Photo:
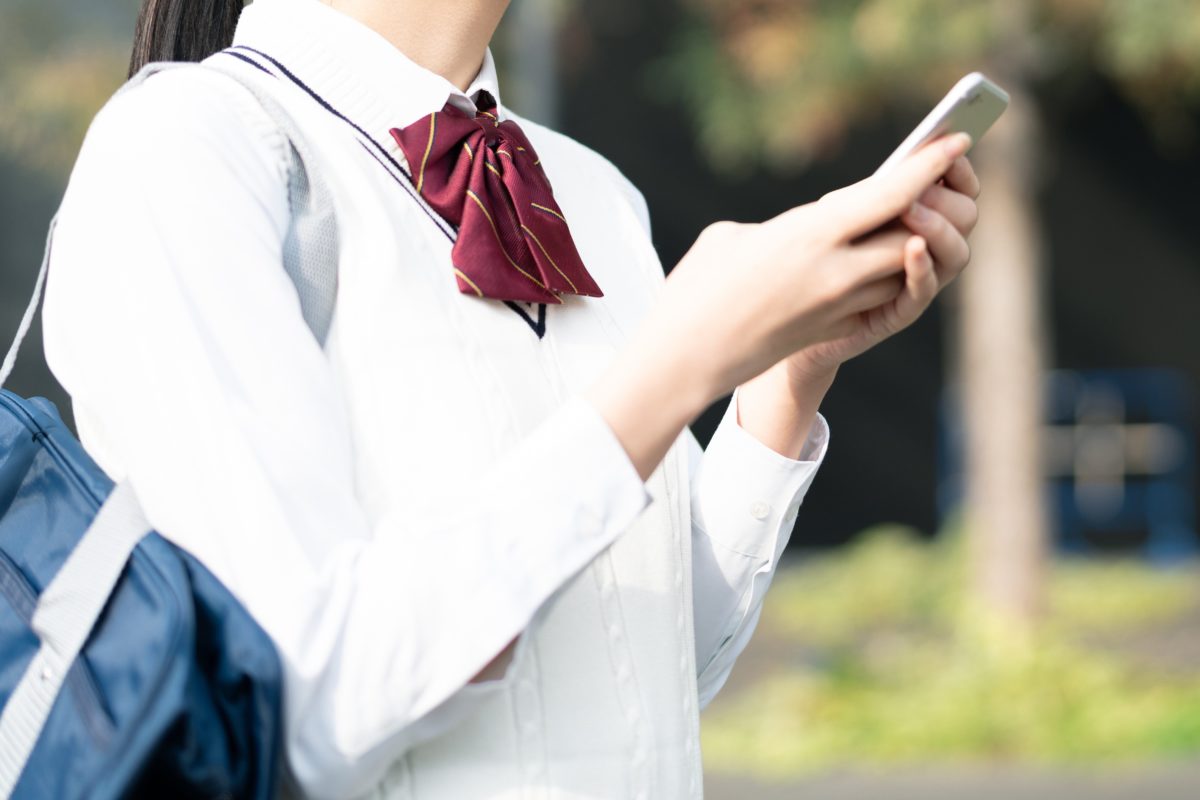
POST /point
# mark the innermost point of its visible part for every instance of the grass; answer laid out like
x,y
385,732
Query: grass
x,y
888,666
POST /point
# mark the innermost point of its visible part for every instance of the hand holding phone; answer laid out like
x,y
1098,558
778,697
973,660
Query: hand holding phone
x,y
971,107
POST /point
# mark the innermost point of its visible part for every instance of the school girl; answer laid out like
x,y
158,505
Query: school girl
x,y
494,561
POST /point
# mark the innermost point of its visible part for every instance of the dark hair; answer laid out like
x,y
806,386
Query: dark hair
x,y
182,30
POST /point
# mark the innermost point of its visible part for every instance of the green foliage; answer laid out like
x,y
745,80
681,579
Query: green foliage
x,y
47,104
780,80
55,73
891,667
833,601
1111,597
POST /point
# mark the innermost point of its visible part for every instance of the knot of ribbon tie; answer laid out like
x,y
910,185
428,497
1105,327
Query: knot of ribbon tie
x,y
482,175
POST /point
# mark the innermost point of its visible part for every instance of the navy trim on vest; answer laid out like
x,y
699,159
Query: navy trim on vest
x,y
539,327
442,224
249,61
451,233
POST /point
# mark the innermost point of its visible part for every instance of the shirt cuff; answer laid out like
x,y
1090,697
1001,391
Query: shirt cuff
x,y
746,492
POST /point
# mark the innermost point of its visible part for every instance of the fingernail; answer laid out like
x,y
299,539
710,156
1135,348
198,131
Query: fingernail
x,y
918,212
958,144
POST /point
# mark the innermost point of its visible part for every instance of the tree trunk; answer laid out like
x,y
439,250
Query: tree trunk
x,y
1000,350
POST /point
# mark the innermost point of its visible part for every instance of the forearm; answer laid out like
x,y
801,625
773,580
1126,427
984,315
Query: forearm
x,y
777,407
651,391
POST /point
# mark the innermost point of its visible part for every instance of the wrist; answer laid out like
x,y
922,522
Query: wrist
x,y
808,376
780,406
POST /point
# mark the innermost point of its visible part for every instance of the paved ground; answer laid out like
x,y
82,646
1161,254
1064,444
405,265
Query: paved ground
x,y
1168,782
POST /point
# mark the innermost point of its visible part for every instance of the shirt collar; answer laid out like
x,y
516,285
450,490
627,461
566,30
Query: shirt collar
x,y
355,70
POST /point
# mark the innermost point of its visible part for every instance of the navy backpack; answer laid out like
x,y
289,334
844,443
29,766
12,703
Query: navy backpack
x,y
126,668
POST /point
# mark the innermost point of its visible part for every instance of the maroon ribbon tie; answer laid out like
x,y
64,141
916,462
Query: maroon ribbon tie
x,y
483,176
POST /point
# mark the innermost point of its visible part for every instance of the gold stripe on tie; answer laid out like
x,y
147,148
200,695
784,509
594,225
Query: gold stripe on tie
x,y
533,235
493,169
470,152
541,207
468,281
471,194
428,148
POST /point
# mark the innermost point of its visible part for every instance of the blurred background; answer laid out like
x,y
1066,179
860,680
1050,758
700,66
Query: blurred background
x,y
993,586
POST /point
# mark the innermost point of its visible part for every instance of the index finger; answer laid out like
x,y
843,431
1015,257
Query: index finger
x,y
874,201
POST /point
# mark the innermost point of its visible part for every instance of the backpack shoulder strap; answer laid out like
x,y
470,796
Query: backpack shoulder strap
x,y
66,612
311,245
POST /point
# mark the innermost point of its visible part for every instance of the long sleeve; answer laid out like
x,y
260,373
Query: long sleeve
x,y
745,498
172,325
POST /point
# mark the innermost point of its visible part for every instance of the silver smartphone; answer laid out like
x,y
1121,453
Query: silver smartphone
x,y
970,107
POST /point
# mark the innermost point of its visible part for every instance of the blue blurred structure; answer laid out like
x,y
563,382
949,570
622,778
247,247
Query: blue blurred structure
x,y
1119,460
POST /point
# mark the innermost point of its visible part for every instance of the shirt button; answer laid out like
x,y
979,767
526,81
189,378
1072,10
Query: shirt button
x,y
760,510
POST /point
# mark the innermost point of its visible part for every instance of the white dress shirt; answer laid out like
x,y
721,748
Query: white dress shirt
x,y
396,507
